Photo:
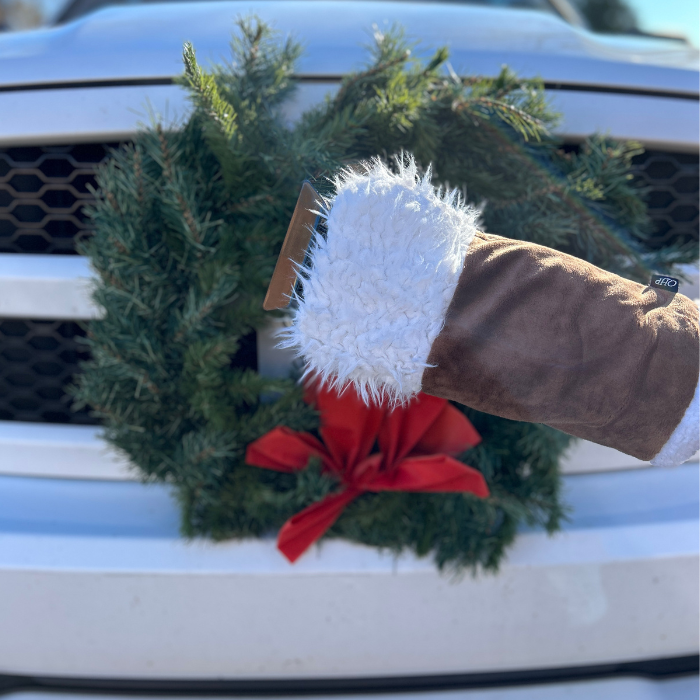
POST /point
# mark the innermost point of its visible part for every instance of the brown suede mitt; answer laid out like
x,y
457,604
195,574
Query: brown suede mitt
x,y
405,294
536,335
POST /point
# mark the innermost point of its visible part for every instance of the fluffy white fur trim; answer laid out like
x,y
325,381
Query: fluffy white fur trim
x,y
378,286
685,439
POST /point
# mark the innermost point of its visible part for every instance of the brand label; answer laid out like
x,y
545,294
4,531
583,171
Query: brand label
x,y
670,284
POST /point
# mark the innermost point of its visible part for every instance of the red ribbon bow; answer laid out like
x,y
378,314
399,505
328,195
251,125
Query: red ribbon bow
x,y
415,444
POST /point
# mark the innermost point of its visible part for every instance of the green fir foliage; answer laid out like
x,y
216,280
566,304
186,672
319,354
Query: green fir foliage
x,y
188,224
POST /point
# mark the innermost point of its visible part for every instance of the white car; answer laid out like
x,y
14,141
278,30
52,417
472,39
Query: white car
x,y
99,593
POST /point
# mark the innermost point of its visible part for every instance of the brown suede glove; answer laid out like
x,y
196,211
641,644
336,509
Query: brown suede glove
x,y
536,335
406,295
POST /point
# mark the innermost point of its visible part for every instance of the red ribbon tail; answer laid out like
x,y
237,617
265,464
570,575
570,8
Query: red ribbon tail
x,y
310,524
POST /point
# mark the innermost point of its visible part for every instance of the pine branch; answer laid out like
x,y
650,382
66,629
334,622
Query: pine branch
x,y
204,93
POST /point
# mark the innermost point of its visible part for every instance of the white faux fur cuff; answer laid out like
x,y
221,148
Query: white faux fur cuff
x,y
685,439
378,286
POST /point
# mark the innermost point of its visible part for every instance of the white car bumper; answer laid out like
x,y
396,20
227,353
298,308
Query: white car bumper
x,y
97,583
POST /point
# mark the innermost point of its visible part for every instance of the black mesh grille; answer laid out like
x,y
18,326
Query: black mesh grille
x,y
37,361
42,194
672,179
43,190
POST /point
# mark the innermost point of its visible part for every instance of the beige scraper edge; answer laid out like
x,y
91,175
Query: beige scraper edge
x,y
293,251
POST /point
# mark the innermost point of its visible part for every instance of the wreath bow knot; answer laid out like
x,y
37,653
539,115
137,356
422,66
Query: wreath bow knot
x,y
416,447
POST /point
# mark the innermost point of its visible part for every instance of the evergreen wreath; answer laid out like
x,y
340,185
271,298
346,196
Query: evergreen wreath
x,y
188,224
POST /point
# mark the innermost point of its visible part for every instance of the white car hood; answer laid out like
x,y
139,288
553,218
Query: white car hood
x,y
140,42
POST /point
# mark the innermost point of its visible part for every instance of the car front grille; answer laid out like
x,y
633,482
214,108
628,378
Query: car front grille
x,y
43,192
44,189
672,181
37,361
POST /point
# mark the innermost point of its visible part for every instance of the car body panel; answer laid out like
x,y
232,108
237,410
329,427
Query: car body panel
x,y
145,41
117,593
79,452
115,113
46,286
